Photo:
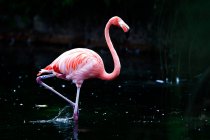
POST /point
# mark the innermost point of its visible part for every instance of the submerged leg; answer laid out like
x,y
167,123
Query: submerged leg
x,y
39,80
76,107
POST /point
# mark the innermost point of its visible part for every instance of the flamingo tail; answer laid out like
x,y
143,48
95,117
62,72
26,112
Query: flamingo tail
x,y
47,69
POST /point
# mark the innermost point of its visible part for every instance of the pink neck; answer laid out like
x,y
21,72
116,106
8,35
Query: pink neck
x,y
117,66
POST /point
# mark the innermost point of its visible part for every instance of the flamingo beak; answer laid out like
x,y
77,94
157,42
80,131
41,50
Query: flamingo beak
x,y
124,26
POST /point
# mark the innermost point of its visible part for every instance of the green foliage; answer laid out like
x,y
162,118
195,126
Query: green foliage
x,y
107,2
176,128
186,36
25,7
67,2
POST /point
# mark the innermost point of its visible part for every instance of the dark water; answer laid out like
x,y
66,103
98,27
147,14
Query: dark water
x,y
138,105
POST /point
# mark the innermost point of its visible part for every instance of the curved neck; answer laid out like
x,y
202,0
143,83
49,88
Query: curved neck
x,y
117,66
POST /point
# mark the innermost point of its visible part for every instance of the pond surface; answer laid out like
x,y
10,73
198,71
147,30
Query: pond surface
x,y
138,105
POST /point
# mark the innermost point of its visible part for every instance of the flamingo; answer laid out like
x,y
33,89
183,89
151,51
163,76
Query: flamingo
x,y
80,64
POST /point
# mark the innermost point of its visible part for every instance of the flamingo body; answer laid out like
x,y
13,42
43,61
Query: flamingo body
x,y
76,65
81,63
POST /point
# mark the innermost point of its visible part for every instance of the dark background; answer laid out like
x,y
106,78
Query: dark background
x,y
162,91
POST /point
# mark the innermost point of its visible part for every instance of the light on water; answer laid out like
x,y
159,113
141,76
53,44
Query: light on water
x,y
63,86
41,106
160,81
61,117
177,80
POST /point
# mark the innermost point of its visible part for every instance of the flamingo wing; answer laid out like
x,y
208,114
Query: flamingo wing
x,y
81,64
76,64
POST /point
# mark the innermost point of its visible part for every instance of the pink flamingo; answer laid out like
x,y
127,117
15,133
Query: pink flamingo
x,y
81,63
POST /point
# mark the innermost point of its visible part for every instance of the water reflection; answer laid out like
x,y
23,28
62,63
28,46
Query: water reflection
x,y
64,124
67,128
75,130
139,104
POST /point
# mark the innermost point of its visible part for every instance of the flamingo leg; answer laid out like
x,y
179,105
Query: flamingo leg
x,y
76,107
39,81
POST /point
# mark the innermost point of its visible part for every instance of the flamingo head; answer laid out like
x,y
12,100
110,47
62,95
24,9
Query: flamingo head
x,y
119,22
